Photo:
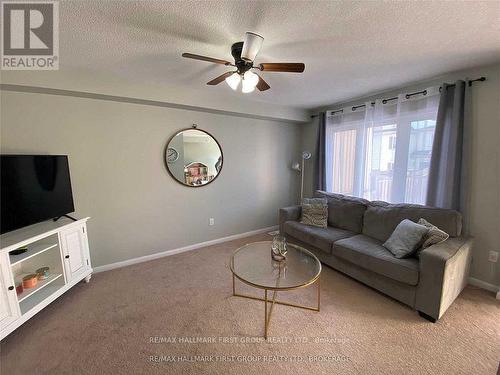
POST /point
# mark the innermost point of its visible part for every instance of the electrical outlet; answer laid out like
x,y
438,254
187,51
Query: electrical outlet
x,y
211,221
493,256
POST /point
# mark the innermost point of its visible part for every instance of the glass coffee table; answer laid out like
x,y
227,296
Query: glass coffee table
x,y
253,265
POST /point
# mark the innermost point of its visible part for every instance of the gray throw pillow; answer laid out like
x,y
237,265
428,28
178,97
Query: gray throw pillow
x,y
406,238
434,235
315,212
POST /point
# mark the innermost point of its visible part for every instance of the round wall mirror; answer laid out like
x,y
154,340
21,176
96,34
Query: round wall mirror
x,y
193,157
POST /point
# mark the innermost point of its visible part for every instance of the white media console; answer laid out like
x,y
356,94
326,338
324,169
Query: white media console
x,y
62,246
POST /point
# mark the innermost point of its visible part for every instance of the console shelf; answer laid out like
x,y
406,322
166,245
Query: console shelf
x,y
40,299
41,284
36,249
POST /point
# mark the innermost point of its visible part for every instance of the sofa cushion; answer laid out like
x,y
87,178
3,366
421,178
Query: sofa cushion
x,y
406,239
345,212
368,253
321,238
380,218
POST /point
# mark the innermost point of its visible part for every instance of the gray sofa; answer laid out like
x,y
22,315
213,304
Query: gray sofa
x,y
352,244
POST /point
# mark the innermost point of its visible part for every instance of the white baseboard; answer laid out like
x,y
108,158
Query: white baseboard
x,y
484,285
179,250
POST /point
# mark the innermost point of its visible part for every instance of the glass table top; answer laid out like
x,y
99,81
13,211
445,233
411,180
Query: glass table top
x,y
253,264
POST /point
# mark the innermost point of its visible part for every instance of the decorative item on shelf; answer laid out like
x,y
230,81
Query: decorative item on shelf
x,y
19,287
30,281
278,248
18,251
43,273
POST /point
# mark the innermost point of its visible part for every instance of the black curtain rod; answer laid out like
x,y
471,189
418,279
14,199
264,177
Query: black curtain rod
x,y
408,96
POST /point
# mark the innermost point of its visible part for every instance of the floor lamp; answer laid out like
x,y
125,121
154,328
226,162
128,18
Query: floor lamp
x,y
305,155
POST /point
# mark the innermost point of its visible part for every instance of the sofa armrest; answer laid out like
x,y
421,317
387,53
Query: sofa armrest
x,y
444,271
291,213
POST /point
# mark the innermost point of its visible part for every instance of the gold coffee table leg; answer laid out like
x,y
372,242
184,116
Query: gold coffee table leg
x,y
319,290
267,315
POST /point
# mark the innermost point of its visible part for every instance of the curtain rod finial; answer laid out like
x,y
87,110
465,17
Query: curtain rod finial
x,y
480,79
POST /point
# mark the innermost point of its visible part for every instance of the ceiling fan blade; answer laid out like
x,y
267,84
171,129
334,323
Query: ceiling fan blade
x,y
262,85
219,79
205,58
282,67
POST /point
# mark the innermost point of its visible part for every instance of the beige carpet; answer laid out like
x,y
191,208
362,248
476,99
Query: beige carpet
x,y
105,327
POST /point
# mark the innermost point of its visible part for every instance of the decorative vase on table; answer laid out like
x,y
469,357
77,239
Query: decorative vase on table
x,y
278,248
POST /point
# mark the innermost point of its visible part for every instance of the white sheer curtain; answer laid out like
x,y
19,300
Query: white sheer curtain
x,y
382,151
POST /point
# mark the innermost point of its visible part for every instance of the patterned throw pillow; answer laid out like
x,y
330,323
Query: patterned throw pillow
x,y
315,212
433,236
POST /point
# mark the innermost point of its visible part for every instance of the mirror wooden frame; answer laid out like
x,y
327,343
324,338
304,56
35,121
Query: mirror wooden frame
x,y
194,127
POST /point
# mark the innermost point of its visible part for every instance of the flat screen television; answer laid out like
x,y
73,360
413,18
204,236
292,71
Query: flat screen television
x,y
34,188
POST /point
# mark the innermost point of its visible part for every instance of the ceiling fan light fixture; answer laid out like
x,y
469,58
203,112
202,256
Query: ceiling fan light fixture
x,y
251,46
249,82
233,80
247,88
244,54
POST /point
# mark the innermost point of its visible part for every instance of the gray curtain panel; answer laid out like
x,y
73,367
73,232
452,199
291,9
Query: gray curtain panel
x,y
319,167
447,186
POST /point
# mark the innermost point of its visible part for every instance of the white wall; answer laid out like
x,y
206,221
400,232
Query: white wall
x,y
119,177
484,215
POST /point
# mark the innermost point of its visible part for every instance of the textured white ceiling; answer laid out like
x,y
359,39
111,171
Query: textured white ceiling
x,y
349,48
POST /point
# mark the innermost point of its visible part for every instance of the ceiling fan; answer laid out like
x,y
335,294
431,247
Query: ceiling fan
x,y
244,54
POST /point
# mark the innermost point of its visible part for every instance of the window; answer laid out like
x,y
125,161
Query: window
x,y
382,151
419,160
344,146
392,142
